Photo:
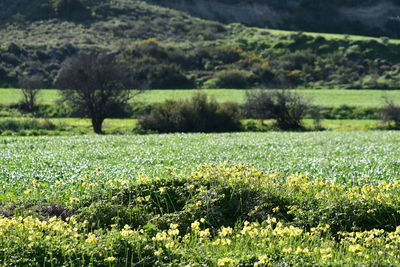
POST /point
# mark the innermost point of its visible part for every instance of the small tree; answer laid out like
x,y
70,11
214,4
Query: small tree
x,y
94,84
285,107
30,86
390,113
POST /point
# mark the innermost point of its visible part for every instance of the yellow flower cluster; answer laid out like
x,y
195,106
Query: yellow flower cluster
x,y
227,262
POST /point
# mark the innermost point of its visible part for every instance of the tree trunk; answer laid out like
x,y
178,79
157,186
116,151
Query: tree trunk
x,y
97,125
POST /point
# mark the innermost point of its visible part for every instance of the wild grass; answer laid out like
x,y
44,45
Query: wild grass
x,y
333,155
316,198
322,97
332,36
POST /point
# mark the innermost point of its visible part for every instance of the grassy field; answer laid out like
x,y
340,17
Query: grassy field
x,y
248,199
332,36
73,126
323,97
333,155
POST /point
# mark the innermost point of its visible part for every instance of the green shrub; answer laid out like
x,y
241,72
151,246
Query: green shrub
x,y
19,125
198,114
345,112
168,76
287,108
236,79
226,54
71,9
226,196
390,114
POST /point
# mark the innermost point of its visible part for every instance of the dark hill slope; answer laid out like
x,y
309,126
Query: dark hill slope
x,y
363,17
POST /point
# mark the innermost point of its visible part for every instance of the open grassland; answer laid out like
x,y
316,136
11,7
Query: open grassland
x,y
309,199
332,36
323,97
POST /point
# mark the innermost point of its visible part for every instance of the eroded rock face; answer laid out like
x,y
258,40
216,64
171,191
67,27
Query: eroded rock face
x,y
358,17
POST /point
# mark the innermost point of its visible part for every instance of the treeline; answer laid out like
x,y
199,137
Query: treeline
x,y
283,110
343,112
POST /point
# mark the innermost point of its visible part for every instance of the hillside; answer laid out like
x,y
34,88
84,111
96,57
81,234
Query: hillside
x,y
365,17
171,49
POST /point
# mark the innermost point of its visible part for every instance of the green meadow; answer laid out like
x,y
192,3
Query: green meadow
x,y
322,97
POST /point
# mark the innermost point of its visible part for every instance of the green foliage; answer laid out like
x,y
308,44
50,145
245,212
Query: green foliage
x,y
70,9
390,113
198,114
216,215
158,67
232,79
191,52
25,124
287,108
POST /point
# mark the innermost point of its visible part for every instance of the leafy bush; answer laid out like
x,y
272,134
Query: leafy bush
x,y
286,107
236,79
390,113
226,54
198,114
158,66
225,196
167,76
345,112
71,9
214,215
19,125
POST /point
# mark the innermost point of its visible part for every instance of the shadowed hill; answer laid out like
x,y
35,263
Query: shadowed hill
x,y
365,17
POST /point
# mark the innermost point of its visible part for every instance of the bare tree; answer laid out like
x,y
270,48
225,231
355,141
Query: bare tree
x,y
317,116
95,84
287,108
390,113
30,86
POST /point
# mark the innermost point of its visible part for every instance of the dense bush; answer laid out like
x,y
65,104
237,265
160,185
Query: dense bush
x,y
26,124
390,114
224,196
167,76
233,79
157,66
71,9
287,108
198,114
217,215
345,112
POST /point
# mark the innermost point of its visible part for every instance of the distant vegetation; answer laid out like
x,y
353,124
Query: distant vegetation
x,y
365,17
162,200
198,114
169,49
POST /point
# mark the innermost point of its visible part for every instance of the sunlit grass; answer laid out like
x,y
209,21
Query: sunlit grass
x,y
322,97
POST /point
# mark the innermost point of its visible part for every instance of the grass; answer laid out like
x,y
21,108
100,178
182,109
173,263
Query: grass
x,y
71,126
322,97
249,199
333,155
332,36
